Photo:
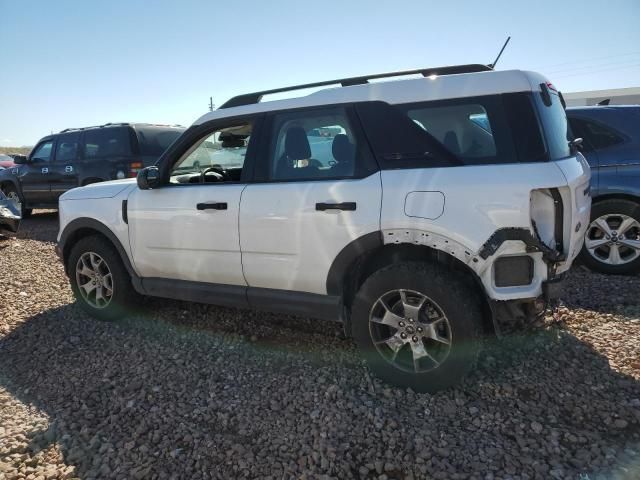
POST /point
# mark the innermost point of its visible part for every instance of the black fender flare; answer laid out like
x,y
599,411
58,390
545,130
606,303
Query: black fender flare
x,y
347,256
81,223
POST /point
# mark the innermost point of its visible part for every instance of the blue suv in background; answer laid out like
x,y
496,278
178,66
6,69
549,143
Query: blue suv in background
x,y
611,144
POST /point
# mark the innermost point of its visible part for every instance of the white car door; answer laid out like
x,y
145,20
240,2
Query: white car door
x,y
317,190
188,229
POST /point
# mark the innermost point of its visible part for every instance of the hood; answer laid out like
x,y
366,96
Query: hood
x,y
99,190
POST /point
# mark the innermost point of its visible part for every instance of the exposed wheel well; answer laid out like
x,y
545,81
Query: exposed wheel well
x,y
4,185
372,261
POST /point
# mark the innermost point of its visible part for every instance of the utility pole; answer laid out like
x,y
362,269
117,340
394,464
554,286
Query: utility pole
x,y
211,104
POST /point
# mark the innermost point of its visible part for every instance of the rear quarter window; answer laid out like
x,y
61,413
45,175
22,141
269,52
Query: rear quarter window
x,y
153,141
464,131
107,142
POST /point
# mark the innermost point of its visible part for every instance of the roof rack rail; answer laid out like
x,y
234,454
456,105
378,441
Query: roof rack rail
x,y
255,97
93,126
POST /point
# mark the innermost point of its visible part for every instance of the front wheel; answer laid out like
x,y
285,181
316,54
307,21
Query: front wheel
x,y
612,241
418,325
99,279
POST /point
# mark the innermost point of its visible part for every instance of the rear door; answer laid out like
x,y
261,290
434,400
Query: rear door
x,y
63,172
316,189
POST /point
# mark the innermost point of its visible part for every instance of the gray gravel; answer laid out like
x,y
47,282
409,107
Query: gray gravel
x,y
193,391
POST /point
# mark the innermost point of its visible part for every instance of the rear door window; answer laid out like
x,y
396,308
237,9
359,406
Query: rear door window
x,y
107,142
67,149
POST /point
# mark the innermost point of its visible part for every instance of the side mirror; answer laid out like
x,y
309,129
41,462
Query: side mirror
x,y
148,178
576,145
20,159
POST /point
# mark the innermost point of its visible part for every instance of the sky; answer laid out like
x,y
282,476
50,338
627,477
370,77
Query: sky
x,y
73,63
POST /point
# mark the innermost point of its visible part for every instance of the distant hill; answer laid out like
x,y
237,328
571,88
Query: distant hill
x,y
23,150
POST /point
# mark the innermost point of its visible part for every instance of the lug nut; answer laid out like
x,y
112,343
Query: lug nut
x,y
419,329
403,335
401,324
411,320
415,339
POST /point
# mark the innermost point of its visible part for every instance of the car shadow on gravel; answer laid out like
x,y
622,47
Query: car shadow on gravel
x,y
41,226
234,393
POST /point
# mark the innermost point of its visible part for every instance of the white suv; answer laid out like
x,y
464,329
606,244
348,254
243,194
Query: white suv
x,y
420,212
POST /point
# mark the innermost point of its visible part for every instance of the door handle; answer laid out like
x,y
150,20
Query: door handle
x,y
212,206
68,169
45,170
349,206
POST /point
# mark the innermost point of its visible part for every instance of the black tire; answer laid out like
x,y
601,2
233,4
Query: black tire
x,y
451,294
123,297
10,190
611,207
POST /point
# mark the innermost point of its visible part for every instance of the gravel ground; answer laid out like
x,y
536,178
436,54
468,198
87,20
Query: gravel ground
x,y
193,391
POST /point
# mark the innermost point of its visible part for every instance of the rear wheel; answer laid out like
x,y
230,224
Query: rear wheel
x,y
417,326
612,241
12,194
99,279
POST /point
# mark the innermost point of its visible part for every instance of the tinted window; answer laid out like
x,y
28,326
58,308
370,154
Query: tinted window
x,y
154,141
106,142
465,130
315,144
554,122
43,151
67,148
217,157
595,134
525,128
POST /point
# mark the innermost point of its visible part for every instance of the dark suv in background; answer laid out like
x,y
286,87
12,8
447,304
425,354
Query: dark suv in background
x,y
611,144
79,156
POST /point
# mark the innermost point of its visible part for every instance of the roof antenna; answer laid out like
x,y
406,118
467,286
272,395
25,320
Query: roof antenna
x,y
493,65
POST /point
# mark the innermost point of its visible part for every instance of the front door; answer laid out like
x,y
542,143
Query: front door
x,y
35,176
188,228
317,189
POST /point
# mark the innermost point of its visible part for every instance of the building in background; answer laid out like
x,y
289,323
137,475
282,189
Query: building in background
x,y
616,96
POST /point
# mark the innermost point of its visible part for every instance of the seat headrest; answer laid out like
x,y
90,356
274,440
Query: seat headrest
x,y
342,149
296,144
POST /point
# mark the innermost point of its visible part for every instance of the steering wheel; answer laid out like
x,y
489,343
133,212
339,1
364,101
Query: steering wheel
x,y
218,170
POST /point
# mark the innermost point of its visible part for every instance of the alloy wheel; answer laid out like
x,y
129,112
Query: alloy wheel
x,y
410,331
613,239
94,279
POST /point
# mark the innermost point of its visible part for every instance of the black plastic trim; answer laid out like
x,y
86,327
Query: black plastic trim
x,y
211,293
558,228
522,234
325,307
125,212
314,305
346,258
